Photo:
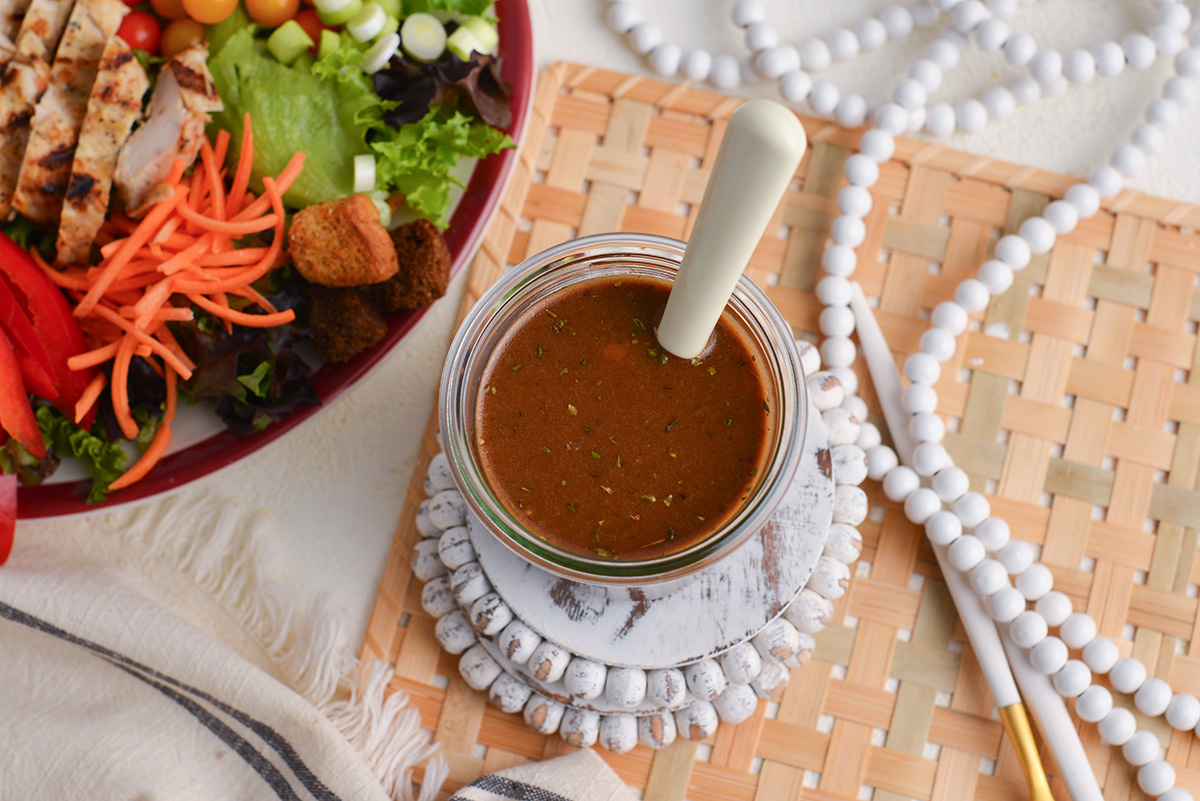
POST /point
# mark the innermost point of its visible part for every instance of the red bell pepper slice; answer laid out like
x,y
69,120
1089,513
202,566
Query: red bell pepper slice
x,y
16,415
8,514
35,366
59,329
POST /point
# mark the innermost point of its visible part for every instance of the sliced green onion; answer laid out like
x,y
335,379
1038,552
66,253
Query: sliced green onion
x,y
485,32
288,41
343,14
462,42
391,26
379,55
364,173
423,37
330,43
368,24
392,7
381,205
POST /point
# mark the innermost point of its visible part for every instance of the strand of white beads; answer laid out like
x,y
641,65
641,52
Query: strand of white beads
x,y
980,545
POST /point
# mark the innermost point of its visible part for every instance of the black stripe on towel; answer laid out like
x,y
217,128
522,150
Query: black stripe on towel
x,y
275,740
509,789
240,745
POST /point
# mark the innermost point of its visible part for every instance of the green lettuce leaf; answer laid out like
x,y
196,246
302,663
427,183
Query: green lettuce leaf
x,y
292,110
473,8
105,459
331,113
418,158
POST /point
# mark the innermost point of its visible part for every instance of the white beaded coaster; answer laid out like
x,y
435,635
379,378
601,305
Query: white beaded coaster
x,y
623,666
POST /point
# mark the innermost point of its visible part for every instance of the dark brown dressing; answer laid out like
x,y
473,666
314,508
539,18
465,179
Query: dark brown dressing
x,y
602,443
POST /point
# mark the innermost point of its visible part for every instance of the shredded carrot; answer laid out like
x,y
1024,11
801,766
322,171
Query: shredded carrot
x,y
213,174
120,388
232,258
241,318
180,257
187,255
164,233
204,223
93,357
221,149
285,180
158,446
157,216
178,168
90,393
241,178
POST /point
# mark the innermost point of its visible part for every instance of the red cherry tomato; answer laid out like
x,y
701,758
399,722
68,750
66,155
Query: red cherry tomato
x,y
312,25
140,30
132,3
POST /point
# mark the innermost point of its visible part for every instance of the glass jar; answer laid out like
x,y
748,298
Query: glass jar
x,y
549,272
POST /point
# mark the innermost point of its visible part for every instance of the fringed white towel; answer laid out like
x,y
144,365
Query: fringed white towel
x,y
579,776
150,655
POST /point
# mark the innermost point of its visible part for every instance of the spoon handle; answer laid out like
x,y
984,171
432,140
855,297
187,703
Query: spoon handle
x,y
759,155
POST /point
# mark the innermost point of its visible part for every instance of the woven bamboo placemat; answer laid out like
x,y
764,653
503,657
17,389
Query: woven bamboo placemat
x,y
1077,412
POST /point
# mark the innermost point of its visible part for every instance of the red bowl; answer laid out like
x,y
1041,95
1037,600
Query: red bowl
x,y
467,227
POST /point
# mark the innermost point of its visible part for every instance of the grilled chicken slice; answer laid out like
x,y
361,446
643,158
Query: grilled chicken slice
x,y
46,170
12,14
25,80
8,49
115,104
174,128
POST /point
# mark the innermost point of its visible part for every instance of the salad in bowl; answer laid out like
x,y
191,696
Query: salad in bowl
x,y
235,204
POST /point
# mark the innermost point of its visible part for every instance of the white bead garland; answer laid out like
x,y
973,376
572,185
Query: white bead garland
x,y
1049,72
1152,697
1127,675
1094,703
1054,606
1141,748
1117,726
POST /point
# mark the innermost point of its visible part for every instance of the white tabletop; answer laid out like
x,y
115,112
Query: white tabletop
x,y
333,489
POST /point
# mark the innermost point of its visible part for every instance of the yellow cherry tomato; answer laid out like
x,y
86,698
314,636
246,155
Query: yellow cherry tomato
x,y
169,9
272,13
210,12
180,35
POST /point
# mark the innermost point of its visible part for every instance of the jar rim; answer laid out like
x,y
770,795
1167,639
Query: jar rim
x,y
581,259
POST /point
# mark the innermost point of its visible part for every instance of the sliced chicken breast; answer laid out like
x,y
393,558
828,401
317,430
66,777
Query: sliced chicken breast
x,y
12,14
8,49
58,117
115,104
174,128
25,80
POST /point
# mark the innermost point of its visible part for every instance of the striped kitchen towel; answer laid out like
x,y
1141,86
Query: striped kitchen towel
x,y
151,656
578,776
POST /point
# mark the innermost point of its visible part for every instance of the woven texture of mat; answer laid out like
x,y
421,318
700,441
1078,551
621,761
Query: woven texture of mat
x,y
1077,412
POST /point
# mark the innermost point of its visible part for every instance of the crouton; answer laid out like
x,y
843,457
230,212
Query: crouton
x,y
424,273
342,321
341,243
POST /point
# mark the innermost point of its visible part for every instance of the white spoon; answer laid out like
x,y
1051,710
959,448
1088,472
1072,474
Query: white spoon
x,y
759,155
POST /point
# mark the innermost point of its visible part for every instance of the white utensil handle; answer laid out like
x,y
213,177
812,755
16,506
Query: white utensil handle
x,y
759,154
1054,722
980,628
990,645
